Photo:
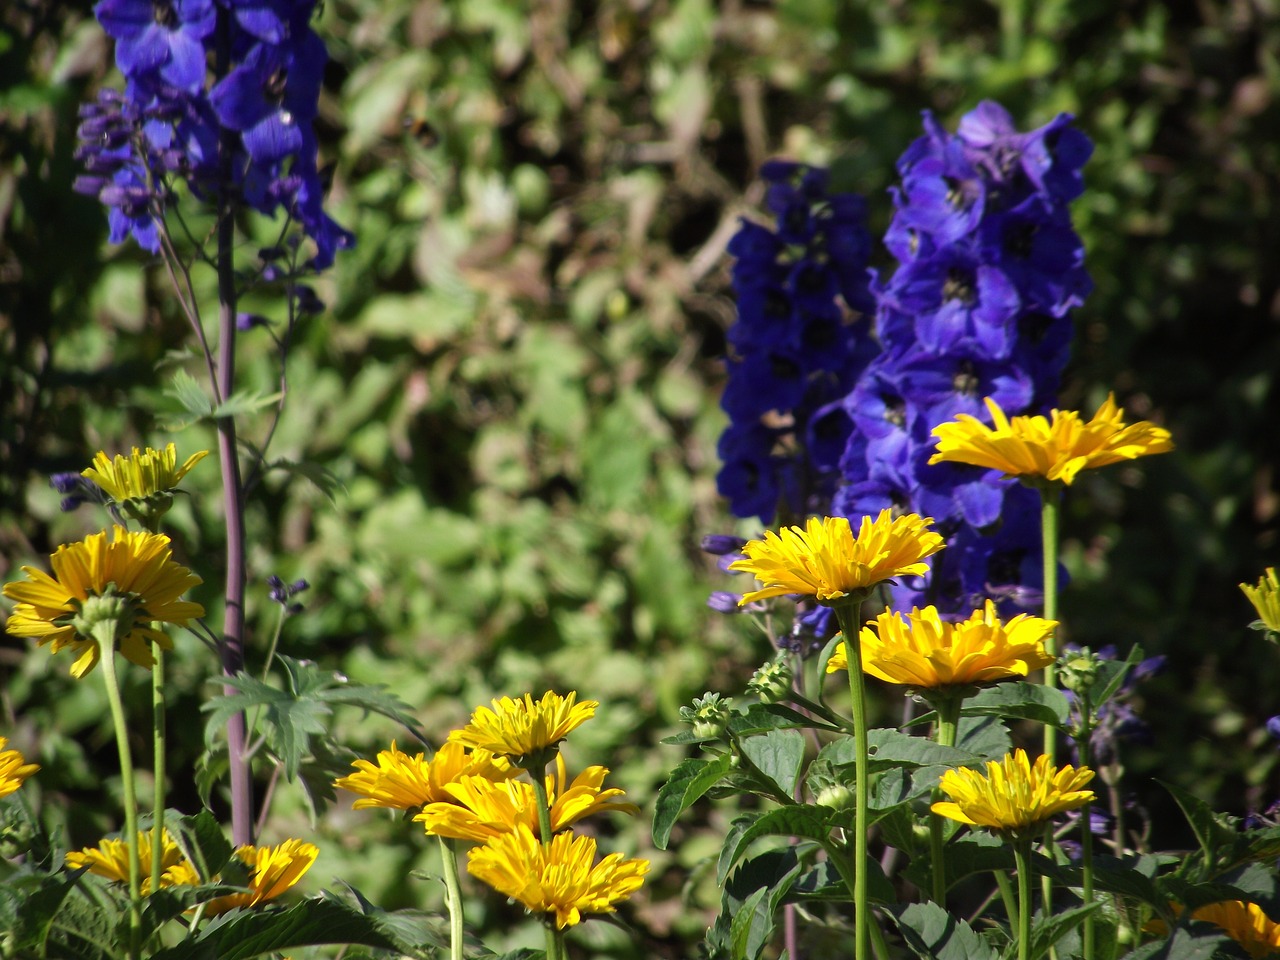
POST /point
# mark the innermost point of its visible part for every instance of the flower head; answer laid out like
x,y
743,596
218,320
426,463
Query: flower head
x,y
560,877
928,652
14,769
1265,598
128,583
1013,794
142,474
523,729
825,560
110,859
403,782
478,808
272,872
1055,449
1246,924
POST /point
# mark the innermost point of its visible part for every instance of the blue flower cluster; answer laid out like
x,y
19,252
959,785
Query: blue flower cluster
x,y
989,270
242,130
800,342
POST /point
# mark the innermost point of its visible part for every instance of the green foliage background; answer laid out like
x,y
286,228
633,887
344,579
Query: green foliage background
x,y
515,384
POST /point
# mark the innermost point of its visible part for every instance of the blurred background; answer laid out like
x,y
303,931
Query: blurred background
x,y
515,381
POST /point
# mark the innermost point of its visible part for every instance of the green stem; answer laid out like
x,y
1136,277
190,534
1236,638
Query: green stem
x,y
1086,833
1022,859
1007,895
544,806
948,709
106,640
453,896
1012,28
850,617
158,739
1049,503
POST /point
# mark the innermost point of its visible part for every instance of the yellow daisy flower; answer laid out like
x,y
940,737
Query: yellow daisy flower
x,y
110,859
403,782
479,808
1055,449
520,729
1265,598
825,560
560,878
272,872
142,474
1246,924
930,652
1013,794
14,769
131,581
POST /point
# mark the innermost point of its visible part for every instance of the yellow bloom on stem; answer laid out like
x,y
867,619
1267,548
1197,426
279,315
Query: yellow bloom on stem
x,y
521,729
1246,924
1054,449
824,559
479,808
560,877
131,582
403,782
14,769
272,872
1013,794
1265,598
929,652
110,859
142,474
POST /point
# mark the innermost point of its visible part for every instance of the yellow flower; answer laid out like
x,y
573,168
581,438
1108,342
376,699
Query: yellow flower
x,y
560,877
1013,794
273,871
404,782
141,474
931,652
824,559
131,581
1265,598
1055,449
522,728
1246,924
14,769
110,859
480,808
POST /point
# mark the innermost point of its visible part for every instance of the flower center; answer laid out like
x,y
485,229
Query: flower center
x,y
959,285
274,87
965,382
163,13
113,610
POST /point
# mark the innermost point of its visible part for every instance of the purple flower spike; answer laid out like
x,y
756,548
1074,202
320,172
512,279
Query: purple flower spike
x,y
160,36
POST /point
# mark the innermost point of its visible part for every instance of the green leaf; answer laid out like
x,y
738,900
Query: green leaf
x,y
1204,822
1046,931
762,717
966,855
1019,700
934,934
689,781
1111,674
190,395
751,926
778,755
1182,945
319,477
1130,878
245,401
987,738
891,749
797,820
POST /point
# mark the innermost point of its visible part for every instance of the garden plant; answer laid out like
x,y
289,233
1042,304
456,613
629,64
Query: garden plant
x,y
237,660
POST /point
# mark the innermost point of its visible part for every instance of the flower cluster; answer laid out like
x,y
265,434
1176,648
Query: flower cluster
x,y
244,131
470,790
798,346
990,268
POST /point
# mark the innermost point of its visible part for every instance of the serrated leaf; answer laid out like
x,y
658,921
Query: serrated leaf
x,y
1204,824
934,934
1020,700
778,755
762,717
751,926
1182,945
1125,878
1111,674
689,781
797,820
1046,931
318,476
190,395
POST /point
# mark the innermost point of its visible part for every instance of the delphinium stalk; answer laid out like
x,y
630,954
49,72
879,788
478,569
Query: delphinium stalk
x,y
220,97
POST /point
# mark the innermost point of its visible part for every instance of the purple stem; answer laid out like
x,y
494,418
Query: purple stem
x,y
232,648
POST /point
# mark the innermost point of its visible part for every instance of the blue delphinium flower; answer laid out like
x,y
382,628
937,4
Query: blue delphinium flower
x,y
798,345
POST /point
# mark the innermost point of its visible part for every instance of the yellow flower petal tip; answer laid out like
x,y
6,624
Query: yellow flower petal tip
x,y
926,652
559,878
273,871
1013,794
1265,597
14,769
110,859
826,561
403,782
525,728
1245,923
142,474
1054,449
128,583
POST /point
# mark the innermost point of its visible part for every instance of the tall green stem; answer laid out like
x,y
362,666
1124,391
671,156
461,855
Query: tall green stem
x,y
1049,500
1086,831
453,896
555,940
158,740
1022,860
850,617
948,709
105,637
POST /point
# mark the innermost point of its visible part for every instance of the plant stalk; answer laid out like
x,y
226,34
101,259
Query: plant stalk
x,y
948,709
158,732
1022,859
849,615
453,897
